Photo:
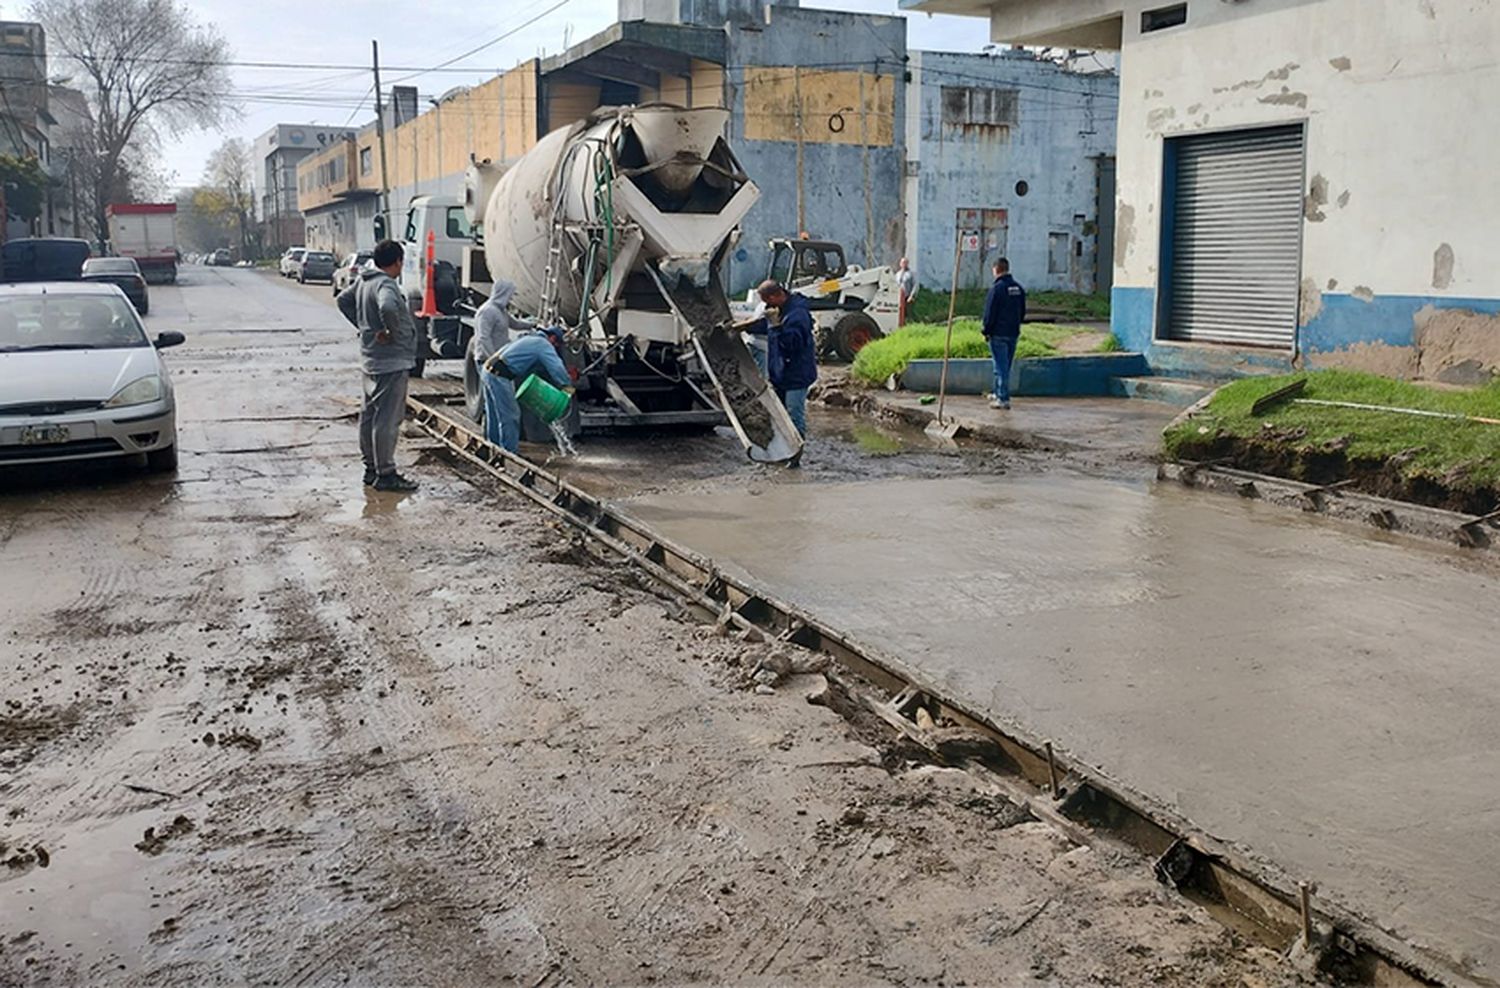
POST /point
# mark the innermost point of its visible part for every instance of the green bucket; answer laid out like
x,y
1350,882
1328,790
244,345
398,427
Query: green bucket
x,y
548,403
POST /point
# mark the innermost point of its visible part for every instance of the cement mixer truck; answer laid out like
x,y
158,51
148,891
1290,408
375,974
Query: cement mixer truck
x,y
615,228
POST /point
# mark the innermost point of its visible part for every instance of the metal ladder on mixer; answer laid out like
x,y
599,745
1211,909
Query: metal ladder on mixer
x,y
552,273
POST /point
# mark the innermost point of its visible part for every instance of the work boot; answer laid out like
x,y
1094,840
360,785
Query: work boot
x,y
395,482
370,476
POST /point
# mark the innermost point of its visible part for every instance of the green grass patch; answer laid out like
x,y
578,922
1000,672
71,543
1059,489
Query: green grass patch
x,y
930,306
1072,305
1450,453
923,341
1110,344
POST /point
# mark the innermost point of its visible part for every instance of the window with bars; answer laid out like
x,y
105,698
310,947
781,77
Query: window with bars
x,y
978,106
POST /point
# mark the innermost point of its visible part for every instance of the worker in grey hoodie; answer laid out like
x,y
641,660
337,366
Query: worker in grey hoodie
x,y
495,329
377,307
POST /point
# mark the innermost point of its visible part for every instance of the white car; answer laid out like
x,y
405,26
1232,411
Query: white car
x,y
347,273
80,379
291,261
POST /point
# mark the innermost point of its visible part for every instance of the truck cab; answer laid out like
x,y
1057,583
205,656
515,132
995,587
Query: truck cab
x,y
445,218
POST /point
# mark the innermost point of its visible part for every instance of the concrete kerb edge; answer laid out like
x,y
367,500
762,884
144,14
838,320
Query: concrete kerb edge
x,y
662,557
1385,514
876,405
1404,518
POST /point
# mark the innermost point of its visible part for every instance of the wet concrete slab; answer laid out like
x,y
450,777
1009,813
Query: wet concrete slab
x,y
1321,696
1112,425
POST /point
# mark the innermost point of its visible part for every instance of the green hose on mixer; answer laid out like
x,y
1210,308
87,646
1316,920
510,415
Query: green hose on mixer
x,y
604,209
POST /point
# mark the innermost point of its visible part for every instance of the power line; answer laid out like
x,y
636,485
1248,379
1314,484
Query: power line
x,y
441,66
359,104
414,70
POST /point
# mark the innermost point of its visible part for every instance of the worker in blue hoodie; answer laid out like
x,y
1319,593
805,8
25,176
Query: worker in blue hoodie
x,y
1004,310
791,352
539,353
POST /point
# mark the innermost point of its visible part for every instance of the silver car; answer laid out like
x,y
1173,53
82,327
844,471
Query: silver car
x,y
347,273
79,378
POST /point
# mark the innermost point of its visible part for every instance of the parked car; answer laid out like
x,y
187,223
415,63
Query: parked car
x,y
43,259
347,273
80,379
291,261
222,258
317,265
121,271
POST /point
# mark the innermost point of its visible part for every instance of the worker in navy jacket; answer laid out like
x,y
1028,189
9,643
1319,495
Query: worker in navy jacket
x,y
1004,311
792,353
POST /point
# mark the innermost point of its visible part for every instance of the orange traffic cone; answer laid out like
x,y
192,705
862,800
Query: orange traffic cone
x,y
429,308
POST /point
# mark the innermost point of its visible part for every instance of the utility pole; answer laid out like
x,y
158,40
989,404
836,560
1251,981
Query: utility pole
x,y
801,199
73,187
385,187
437,112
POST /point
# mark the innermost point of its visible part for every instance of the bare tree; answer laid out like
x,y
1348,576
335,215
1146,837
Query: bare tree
x,y
227,190
145,64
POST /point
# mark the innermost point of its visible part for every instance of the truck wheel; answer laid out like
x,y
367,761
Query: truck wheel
x,y
852,332
473,388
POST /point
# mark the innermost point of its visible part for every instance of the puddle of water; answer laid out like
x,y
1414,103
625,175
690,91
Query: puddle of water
x,y
370,503
98,901
871,439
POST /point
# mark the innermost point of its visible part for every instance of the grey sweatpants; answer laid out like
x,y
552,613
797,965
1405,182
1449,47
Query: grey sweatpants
x,y
380,419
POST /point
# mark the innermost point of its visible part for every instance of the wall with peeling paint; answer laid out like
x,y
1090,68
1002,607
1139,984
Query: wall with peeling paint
x,y
1064,121
817,101
1397,99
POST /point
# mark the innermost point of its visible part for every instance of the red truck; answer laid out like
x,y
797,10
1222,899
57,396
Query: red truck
x,y
146,231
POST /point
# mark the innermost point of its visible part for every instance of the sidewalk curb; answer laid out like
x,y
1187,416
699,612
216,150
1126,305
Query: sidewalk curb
x,y
995,432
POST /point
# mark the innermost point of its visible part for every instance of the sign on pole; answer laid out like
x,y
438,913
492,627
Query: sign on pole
x,y
969,241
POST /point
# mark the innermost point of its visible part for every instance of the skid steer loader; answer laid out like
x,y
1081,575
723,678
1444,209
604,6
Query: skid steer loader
x,y
850,305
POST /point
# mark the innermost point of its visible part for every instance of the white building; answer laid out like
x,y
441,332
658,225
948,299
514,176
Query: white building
x,y
279,151
1299,181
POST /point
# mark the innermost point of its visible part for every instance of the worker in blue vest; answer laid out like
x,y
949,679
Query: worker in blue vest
x,y
539,353
1004,310
791,351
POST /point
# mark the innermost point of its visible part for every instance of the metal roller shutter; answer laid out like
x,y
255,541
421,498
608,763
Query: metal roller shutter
x,y
1236,237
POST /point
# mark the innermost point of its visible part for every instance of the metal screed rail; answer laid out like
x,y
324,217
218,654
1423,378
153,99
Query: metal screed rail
x,y
1247,893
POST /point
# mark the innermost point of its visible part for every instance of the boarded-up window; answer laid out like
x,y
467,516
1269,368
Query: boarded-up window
x,y
974,106
1057,253
819,106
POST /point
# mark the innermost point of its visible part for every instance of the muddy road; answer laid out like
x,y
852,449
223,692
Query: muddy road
x,y
261,725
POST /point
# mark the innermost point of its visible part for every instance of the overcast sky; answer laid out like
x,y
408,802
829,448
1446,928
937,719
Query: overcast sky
x,y
417,36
